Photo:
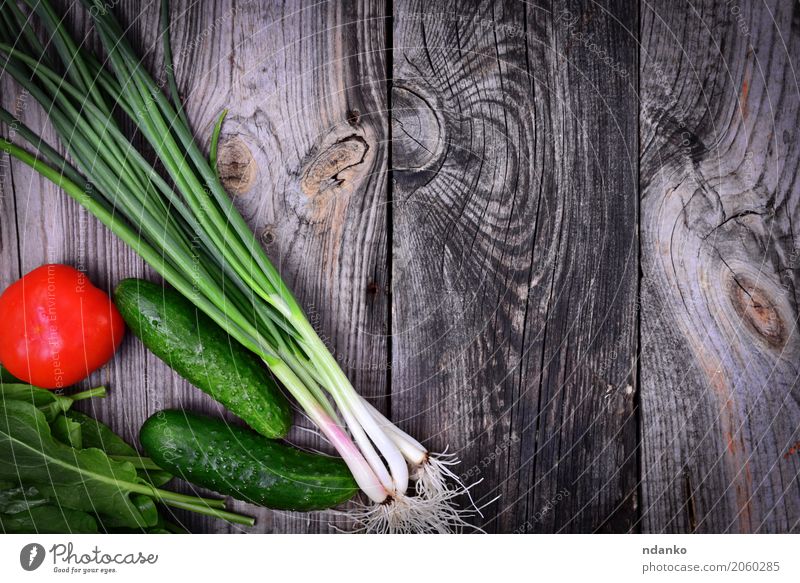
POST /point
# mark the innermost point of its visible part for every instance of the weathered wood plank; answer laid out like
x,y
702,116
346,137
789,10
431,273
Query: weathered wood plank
x,y
515,253
720,349
51,228
303,150
513,238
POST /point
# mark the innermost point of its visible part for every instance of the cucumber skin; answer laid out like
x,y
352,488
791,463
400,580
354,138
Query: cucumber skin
x,y
173,329
236,462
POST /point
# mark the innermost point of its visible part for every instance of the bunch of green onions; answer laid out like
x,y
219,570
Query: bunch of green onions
x,y
187,228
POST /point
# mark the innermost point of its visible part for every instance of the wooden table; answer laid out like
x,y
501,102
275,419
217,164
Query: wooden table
x,y
561,241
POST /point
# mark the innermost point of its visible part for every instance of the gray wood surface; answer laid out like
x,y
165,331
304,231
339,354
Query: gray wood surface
x,y
515,257
720,357
555,238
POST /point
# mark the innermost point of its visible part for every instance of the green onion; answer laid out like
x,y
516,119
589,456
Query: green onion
x,y
187,228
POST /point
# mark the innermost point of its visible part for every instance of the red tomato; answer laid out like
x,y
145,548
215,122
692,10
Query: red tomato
x,y
57,328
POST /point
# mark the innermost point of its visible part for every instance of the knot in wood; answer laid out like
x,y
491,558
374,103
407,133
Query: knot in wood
x,y
268,235
236,166
417,131
327,169
759,311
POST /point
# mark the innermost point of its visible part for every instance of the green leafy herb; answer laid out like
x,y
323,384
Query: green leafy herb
x,y
15,499
67,431
82,479
48,519
50,403
99,435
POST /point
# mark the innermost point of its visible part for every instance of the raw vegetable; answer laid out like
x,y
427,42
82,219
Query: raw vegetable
x,y
48,520
98,435
25,510
201,352
237,462
93,474
57,327
85,479
50,403
188,229
67,431
14,499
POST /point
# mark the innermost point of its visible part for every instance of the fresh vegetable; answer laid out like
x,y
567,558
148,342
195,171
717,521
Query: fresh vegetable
x,y
201,352
57,327
188,229
92,472
48,520
49,403
25,510
237,462
98,435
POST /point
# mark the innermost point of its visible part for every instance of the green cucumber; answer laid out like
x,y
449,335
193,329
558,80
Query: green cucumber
x,y
236,462
199,350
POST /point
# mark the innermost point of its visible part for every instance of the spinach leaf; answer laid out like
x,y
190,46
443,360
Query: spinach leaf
x,y
48,519
50,403
24,510
146,507
97,434
15,499
59,465
67,431
79,479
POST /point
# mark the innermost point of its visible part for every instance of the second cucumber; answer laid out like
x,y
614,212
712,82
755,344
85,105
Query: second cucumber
x,y
201,352
236,462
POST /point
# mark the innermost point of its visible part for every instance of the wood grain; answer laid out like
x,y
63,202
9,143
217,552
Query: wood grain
x,y
51,228
457,192
720,349
515,255
303,150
